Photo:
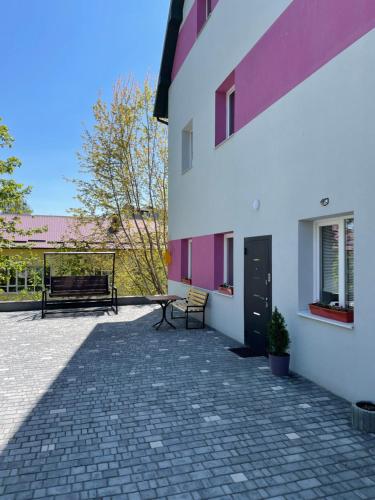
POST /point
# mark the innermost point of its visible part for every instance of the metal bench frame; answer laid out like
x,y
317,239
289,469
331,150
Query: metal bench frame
x,y
191,308
62,292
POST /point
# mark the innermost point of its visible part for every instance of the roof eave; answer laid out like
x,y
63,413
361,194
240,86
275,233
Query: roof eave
x,y
170,42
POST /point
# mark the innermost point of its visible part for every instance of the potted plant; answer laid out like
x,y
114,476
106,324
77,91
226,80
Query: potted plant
x,y
363,416
226,289
334,312
186,280
278,344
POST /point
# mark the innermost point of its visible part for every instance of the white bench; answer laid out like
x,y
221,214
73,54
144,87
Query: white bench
x,y
195,302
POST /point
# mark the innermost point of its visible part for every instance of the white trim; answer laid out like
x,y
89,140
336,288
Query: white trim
x,y
308,315
228,94
340,222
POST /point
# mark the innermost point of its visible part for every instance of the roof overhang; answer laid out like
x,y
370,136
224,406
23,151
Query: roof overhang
x,y
170,42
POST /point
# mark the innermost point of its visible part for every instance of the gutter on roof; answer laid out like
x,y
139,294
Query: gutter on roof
x,y
165,75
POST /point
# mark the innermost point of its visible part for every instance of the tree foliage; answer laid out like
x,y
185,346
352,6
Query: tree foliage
x,y
278,336
12,201
124,189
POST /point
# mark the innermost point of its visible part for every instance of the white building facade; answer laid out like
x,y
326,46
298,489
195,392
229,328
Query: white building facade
x,y
271,113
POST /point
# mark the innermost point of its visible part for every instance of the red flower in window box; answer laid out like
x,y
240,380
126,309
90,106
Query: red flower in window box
x,y
336,313
226,289
187,281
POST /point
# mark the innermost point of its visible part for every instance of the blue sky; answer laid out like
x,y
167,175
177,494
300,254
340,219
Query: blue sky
x,y
57,56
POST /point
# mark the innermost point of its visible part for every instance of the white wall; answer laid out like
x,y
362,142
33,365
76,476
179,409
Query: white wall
x,y
318,141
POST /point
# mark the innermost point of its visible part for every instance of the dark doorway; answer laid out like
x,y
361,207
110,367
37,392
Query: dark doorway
x,y
258,292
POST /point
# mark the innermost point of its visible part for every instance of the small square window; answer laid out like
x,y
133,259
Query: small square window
x,y
187,147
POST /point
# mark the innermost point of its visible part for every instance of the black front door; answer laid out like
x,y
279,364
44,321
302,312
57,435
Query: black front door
x,y
258,292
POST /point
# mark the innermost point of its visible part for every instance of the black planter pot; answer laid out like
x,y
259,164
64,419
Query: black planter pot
x,y
279,365
363,416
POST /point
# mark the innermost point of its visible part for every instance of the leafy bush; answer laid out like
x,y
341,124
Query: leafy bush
x,y
278,335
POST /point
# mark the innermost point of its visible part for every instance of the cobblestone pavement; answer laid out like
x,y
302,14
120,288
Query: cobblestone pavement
x,y
103,406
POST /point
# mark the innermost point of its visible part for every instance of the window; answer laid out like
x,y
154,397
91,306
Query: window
x,y
228,259
29,279
187,147
208,8
225,109
230,111
334,261
190,259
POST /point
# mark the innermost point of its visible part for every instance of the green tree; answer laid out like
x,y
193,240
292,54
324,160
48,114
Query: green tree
x,y
123,192
278,336
12,201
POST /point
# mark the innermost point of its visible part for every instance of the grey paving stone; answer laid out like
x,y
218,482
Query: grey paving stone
x,y
60,438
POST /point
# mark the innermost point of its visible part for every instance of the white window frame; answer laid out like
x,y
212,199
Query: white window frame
x,y
187,148
190,258
226,238
340,221
231,91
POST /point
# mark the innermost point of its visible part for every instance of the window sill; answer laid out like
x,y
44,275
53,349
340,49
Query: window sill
x,y
216,292
224,141
308,315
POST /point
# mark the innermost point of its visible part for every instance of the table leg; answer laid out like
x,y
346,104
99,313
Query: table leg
x,y
164,306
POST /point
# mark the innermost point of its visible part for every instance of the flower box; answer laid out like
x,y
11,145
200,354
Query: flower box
x,y
227,290
334,313
187,281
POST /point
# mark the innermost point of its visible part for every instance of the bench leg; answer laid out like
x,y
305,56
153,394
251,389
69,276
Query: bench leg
x,y
43,304
201,326
115,302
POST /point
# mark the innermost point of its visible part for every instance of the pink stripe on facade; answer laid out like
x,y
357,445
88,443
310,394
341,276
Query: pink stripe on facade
x,y
203,249
306,36
175,267
189,33
207,260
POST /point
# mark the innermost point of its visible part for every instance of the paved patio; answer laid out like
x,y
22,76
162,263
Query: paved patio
x,y
103,406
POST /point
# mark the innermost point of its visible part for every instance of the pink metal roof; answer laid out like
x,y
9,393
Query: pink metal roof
x,y
60,228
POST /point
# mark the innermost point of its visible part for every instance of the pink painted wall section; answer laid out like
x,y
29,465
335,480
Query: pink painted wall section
x,y
306,36
207,260
189,33
203,268
175,267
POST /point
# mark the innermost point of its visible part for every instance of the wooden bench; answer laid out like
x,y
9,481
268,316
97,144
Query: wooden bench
x,y
195,302
69,288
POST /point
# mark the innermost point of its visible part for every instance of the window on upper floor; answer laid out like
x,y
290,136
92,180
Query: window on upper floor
x,y
231,96
225,110
187,147
334,261
208,8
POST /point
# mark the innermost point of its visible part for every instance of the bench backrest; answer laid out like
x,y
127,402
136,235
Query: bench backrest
x,y
76,284
197,297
